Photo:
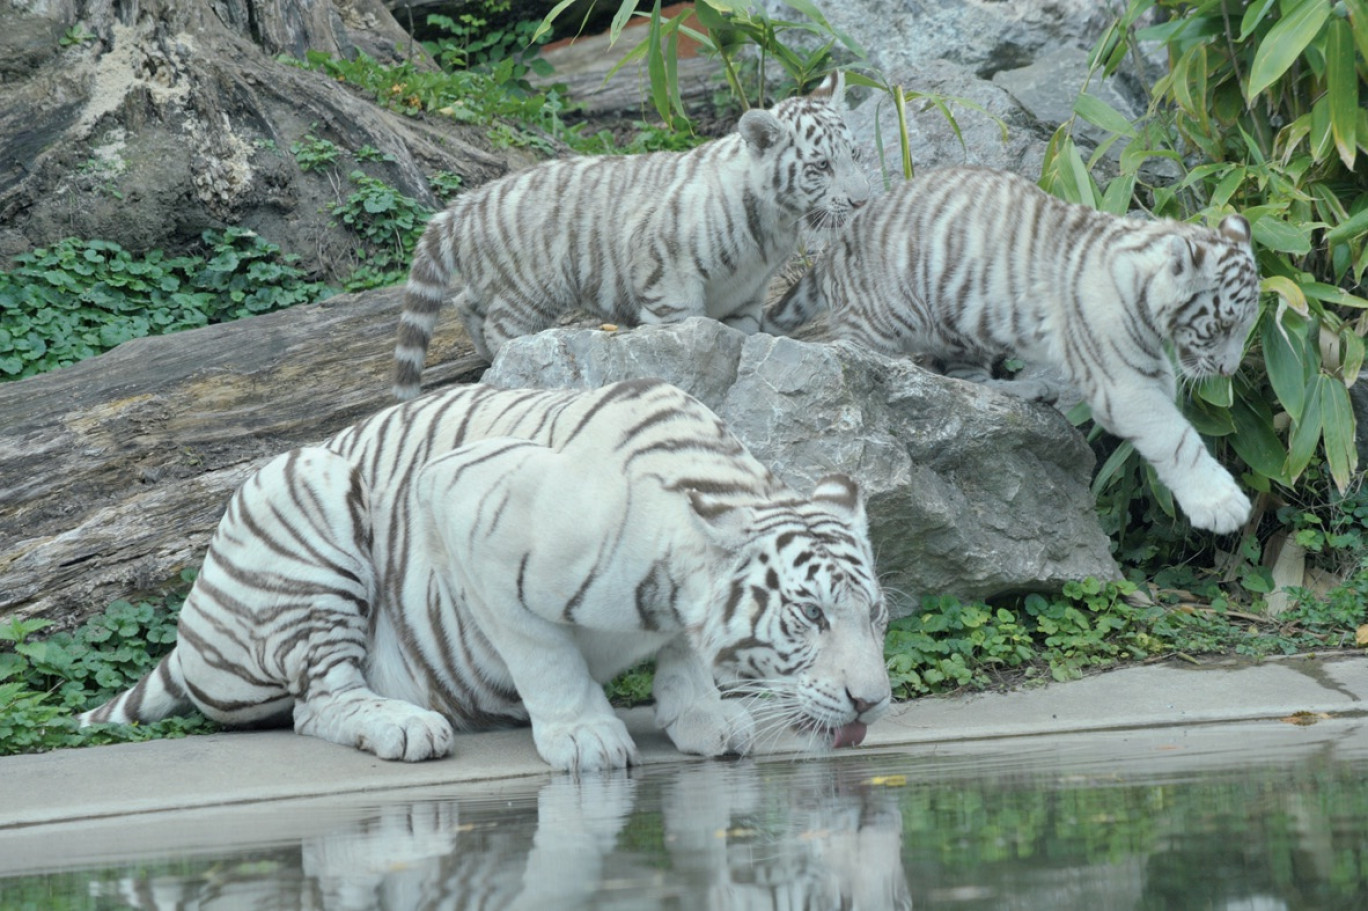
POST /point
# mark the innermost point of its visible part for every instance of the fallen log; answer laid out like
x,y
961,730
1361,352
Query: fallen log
x,y
115,471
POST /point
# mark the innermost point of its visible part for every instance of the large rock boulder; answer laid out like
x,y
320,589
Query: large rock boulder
x,y
970,492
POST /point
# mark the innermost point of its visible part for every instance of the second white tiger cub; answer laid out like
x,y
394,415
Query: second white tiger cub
x,y
967,265
634,239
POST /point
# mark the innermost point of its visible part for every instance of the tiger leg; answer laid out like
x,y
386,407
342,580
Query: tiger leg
x,y
690,709
504,318
472,313
482,502
1204,489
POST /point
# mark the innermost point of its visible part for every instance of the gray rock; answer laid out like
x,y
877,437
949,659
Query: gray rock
x,y
983,35
970,493
932,137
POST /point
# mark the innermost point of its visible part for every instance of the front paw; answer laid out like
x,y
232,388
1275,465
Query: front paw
x,y
713,730
586,746
1217,504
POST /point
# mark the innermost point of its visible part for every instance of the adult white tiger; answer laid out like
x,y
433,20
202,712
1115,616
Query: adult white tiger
x,y
634,239
475,558
969,264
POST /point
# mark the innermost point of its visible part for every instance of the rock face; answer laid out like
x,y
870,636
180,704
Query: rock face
x,y
970,492
992,53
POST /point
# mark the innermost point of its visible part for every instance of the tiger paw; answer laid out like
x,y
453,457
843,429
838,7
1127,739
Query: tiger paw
x,y
1218,505
585,746
389,728
713,730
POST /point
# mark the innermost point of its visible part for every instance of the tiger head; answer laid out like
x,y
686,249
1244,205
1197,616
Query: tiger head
x,y
808,155
1216,291
799,623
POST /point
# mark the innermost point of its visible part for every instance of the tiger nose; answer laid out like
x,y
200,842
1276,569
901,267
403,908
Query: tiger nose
x,y
860,705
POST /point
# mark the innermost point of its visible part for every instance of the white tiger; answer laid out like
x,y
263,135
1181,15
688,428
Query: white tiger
x,y
969,264
482,557
652,238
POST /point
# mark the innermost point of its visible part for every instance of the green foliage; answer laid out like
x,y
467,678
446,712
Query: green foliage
x,y
78,298
632,687
470,43
45,683
388,224
949,645
315,154
1259,113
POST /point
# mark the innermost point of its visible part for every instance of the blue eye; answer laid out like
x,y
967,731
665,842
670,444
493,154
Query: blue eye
x,y
813,613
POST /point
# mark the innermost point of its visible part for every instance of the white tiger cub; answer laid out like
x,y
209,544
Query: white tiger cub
x,y
653,238
483,557
968,264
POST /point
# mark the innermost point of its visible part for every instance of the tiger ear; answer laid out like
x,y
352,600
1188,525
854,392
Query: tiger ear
x,y
1184,255
726,525
832,90
760,129
1236,228
841,495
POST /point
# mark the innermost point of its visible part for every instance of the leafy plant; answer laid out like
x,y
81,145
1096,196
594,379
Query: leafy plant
x,y
45,683
314,153
1258,113
509,53
389,224
67,302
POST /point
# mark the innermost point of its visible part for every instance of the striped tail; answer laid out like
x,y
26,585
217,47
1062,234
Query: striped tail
x,y
159,695
803,301
428,282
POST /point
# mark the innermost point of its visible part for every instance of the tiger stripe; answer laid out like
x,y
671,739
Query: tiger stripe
x,y
649,238
965,266
486,557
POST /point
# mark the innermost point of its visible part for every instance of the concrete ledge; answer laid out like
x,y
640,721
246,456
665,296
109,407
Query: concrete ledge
x,y
228,769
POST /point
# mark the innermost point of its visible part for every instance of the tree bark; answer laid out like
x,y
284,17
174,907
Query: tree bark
x,y
115,471
161,118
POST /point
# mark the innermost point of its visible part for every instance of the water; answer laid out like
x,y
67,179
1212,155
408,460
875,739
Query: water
x,y
1250,817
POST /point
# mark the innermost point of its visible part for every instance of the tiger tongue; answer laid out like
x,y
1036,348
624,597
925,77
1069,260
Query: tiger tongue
x,y
849,735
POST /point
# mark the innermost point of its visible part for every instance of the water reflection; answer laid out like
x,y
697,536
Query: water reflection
x,y
715,835
1143,822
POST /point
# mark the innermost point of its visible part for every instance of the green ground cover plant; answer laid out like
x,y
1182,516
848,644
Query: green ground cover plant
x,y
77,298
45,683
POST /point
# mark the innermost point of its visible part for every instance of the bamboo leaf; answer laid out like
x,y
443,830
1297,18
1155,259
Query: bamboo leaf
x,y
620,19
559,8
1096,111
1285,42
1255,440
1341,87
1337,415
1285,358
1252,17
655,66
1109,468
1352,344
1356,225
1358,18
1306,433
1287,289
1285,237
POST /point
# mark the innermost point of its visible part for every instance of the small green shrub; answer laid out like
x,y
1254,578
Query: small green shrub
x,y
45,683
73,300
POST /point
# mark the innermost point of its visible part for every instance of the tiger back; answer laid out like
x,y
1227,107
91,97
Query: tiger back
x,y
968,265
651,238
485,557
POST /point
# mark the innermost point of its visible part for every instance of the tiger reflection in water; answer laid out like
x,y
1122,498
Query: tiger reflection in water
x,y
729,843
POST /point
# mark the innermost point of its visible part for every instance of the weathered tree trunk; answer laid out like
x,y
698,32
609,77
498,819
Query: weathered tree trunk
x,y
161,118
115,471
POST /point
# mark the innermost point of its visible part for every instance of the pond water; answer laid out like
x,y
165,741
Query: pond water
x,y
1258,816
